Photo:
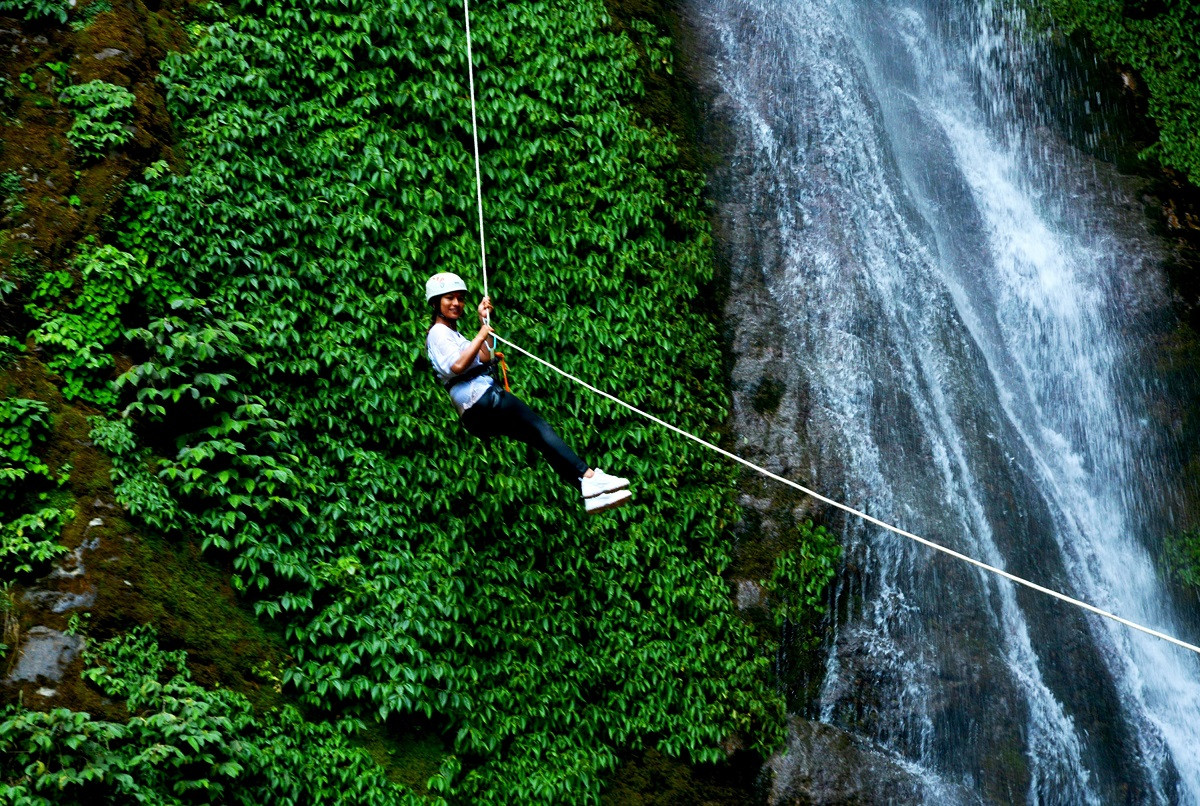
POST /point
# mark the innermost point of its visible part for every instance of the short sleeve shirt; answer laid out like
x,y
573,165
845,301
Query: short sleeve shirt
x,y
445,346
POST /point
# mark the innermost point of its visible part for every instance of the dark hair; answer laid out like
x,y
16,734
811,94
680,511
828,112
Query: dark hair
x,y
435,307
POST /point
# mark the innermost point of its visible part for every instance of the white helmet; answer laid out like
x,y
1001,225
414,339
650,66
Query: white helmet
x,y
443,283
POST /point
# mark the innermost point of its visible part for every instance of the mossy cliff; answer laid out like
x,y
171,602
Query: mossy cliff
x,y
217,225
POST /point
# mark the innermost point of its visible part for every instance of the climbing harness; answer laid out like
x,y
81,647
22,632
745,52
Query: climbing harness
x,y
497,368
757,468
486,368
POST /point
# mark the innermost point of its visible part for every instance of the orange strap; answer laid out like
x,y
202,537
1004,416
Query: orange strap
x,y
503,370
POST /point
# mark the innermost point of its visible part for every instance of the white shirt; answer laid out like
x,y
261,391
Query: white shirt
x,y
444,346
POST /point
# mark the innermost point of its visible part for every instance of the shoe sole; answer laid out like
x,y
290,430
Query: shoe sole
x,y
619,502
609,490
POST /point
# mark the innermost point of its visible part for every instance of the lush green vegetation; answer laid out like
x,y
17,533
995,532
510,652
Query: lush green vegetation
x,y
801,577
279,407
181,743
89,12
38,9
102,116
1182,557
78,329
10,194
1161,41
29,522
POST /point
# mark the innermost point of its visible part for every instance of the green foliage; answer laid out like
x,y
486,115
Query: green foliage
x,y
658,48
181,744
38,9
31,539
103,113
8,619
79,336
23,424
136,486
1161,42
8,99
10,185
801,576
1183,557
328,174
11,192
10,348
89,14
28,539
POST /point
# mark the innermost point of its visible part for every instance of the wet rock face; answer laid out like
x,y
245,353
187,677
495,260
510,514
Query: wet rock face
x,y
44,657
67,587
973,699
825,765
57,602
43,652
109,53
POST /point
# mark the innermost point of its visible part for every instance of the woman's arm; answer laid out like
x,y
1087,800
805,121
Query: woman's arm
x,y
478,344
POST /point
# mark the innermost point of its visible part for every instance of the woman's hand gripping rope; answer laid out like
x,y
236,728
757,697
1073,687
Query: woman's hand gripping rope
x,y
485,315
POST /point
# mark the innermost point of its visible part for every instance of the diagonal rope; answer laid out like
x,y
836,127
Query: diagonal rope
x,y
757,468
864,516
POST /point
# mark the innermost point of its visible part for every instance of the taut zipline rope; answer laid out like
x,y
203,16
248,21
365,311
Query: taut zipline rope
x,y
757,468
475,141
870,519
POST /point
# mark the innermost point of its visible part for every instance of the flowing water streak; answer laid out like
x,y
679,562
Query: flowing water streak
x,y
957,316
1087,441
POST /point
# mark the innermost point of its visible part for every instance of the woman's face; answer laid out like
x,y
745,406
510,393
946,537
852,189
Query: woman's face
x,y
452,305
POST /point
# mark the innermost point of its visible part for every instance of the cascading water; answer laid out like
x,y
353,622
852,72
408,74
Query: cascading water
x,y
960,320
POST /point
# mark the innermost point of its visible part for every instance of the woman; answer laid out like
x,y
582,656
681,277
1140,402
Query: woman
x,y
486,410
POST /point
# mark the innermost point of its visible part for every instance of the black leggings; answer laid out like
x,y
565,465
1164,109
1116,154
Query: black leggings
x,y
500,413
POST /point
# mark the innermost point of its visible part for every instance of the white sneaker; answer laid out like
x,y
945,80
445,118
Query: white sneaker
x,y
601,482
603,501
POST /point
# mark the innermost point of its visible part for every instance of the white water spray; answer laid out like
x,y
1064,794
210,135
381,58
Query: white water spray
x,y
945,259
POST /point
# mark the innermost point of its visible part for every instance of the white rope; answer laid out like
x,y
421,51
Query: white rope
x,y
475,140
857,513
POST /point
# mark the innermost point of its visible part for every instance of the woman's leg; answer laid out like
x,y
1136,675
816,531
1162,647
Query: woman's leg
x,y
504,414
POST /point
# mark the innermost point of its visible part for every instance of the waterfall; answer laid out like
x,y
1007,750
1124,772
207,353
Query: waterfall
x,y
960,304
